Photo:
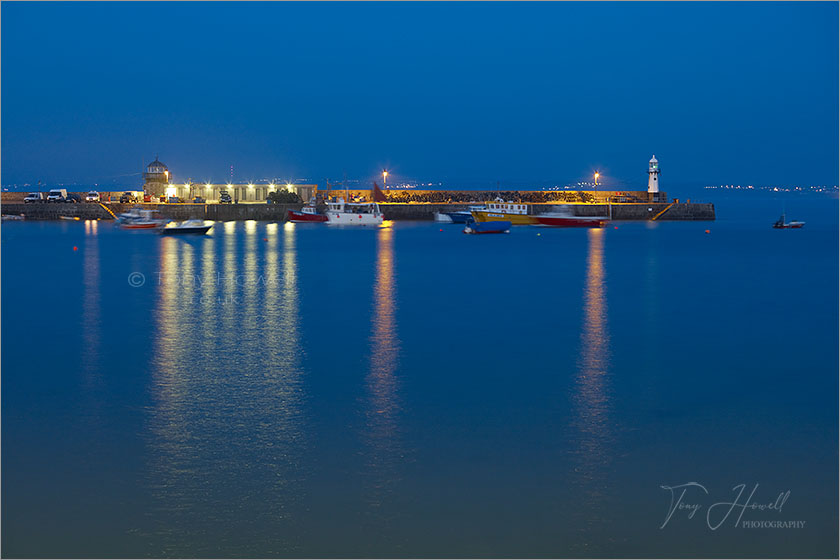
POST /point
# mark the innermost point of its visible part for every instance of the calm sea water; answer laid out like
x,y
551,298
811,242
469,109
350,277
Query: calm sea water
x,y
282,390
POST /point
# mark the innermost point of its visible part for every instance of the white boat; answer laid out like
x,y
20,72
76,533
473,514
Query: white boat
x,y
354,213
188,227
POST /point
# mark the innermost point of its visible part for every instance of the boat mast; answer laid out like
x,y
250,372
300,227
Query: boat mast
x,y
346,190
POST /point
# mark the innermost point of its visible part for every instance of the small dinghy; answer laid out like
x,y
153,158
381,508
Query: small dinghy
x,y
195,227
487,227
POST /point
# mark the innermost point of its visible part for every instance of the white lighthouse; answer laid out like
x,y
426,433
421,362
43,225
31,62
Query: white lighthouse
x,y
653,177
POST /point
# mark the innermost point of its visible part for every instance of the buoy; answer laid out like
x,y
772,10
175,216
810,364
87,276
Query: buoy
x,y
707,231
441,229
265,239
615,227
75,248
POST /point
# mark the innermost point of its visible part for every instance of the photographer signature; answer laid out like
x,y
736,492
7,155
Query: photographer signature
x,y
718,513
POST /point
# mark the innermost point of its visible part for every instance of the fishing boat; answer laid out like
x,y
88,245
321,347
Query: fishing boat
x,y
140,218
567,219
487,227
781,224
500,211
354,213
194,227
307,214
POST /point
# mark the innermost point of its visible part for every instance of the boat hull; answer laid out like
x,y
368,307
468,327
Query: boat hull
x,y
514,219
196,230
459,217
352,219
142,226
303,218
569,221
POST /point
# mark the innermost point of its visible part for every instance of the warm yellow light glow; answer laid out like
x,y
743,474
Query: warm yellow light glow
x,y
271,185
170,191
250,185
207,186
288,185
229,186
187,185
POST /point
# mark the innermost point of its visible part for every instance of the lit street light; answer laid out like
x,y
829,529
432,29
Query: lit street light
x,y
384,178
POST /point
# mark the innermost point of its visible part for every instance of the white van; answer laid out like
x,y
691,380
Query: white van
x,y
57,195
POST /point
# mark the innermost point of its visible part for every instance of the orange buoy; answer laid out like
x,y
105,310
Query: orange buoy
x,y
441,229
707,231
615,227
75,248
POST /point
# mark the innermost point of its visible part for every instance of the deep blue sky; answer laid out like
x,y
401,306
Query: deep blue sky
x,y
457,92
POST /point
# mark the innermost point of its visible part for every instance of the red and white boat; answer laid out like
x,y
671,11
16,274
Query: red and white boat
x,y
138,218
307,214
559,219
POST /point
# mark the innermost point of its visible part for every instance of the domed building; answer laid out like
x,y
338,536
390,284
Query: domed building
x,y
156,178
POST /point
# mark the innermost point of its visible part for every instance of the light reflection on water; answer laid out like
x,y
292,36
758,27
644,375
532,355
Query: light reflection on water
x,y
591,394
384,452
225,429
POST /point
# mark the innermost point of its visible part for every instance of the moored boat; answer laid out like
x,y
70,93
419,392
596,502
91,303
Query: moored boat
x,y
140,218
487,227
500,211
781,224
562,219
354,214
462,216
307,214
196,227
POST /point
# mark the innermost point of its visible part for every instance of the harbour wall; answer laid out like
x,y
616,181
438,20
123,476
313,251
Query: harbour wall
x,y
392,211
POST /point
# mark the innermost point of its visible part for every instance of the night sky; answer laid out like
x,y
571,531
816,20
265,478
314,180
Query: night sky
x,y
464,93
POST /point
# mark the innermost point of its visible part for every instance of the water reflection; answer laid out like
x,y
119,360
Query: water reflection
x,y
592,400
225,430
91,306
384,450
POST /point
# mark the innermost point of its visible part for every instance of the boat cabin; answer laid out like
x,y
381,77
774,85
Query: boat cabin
x,y
339,206
507,207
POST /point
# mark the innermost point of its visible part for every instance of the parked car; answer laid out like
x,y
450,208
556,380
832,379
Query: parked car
x,y
173,200
73,198
199,200
92,196
57,195
127,197
35,197
224,197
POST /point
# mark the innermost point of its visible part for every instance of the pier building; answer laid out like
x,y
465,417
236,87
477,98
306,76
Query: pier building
x,y
159,181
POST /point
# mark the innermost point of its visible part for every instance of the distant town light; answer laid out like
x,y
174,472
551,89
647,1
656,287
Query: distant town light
x,y
288,185
271,185
250,185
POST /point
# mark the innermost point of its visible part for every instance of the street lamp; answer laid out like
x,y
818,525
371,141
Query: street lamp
x,y
596,178
384,178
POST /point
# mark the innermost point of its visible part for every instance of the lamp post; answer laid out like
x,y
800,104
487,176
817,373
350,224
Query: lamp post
x,y
384,179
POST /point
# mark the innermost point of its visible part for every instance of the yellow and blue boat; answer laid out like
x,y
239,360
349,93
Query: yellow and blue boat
x,y
516,213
